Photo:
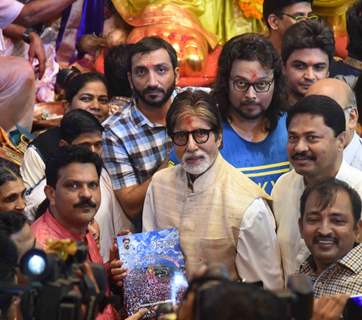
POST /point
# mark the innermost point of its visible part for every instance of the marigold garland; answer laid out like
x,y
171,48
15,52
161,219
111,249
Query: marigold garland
x,y
252,9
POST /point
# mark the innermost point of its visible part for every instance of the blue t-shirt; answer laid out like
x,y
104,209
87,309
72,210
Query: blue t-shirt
x,y
263,162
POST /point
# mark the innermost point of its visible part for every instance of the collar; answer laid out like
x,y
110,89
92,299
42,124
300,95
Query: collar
x,y
343,171
140,119
352,148
351,261
59,229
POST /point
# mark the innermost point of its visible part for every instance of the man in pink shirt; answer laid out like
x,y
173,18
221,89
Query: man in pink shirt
x,y
74,197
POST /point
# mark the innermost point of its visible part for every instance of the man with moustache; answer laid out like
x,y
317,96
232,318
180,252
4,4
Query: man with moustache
x,y
136,144
316,138
330,224
222,216
74,196
341,92
249,90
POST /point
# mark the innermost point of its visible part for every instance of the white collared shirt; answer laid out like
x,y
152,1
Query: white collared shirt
x,y
352,154
286,206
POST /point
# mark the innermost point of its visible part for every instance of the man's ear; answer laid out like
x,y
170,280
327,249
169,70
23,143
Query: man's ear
x,y
358,231
129,76
341,141
177,74
66,107
273,21
300,224
219,141
50,194
353,119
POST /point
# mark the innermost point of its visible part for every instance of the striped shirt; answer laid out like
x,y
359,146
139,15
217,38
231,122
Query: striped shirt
x,y
133,147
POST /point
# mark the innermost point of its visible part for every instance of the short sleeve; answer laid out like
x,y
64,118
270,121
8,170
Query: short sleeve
x,y
9,11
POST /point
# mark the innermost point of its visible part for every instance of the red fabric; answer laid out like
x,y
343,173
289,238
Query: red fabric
x,y
341,46
99,63
47,227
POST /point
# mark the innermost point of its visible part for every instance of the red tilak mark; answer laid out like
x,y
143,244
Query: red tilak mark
x,y
253,75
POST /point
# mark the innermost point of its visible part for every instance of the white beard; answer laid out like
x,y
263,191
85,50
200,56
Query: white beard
x,y
202,164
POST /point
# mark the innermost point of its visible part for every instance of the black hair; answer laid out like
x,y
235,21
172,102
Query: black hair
x,y
65,75
308,34
327,191
149,44
77,122
358,91
331,112
6,175
354,30
250,47
115,70
235,301
10,222
80,80
197,101
277,7
67,155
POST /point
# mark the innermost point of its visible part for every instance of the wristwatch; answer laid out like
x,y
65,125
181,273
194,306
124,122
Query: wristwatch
x,y
26,35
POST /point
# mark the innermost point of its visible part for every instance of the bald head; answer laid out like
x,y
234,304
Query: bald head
x,y
336,89
342,93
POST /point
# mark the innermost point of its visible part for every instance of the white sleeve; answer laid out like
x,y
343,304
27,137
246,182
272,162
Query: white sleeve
x,y
258,253
32,169
148,214
9,11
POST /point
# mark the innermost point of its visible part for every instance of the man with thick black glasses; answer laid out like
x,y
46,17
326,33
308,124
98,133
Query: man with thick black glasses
x,y
249,90
279,15
222,216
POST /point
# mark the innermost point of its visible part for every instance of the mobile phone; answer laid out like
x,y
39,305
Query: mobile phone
x,y
353,308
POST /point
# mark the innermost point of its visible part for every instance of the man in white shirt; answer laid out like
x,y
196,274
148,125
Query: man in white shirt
x,y
316,137
343,94
222,216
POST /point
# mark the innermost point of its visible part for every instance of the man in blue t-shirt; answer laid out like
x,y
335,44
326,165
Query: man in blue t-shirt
x,y
249,91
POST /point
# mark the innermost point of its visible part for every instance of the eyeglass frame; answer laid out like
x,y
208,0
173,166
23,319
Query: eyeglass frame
x,y
252,84
193,133
302,17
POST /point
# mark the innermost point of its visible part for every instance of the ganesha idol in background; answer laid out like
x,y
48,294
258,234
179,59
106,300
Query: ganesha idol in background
x,y
181,28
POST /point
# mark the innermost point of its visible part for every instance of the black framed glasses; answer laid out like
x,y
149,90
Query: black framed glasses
x,y
300,17
259,86
200,136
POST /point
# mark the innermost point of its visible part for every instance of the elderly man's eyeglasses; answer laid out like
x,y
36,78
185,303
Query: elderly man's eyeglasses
x,y
259,86
200,136
300,17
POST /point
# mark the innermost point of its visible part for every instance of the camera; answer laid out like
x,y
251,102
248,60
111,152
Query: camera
x,y
60,285
353,309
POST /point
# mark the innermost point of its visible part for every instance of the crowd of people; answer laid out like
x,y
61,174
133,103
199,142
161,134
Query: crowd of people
x,y
261,172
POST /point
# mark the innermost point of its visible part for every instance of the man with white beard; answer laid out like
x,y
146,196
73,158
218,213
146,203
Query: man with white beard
x,y
222,216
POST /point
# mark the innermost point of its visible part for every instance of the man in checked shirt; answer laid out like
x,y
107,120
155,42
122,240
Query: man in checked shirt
x,y
136,144
330,224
